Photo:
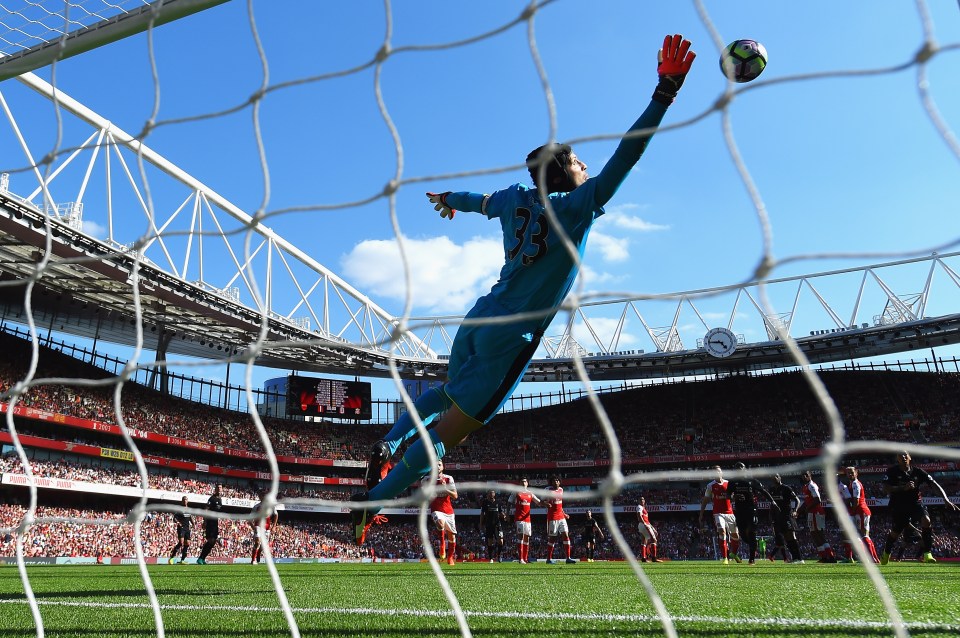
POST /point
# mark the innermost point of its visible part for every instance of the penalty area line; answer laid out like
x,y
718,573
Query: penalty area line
x,y
585,617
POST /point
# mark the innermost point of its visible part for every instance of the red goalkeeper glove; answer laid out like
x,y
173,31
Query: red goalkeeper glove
x,y
673,63
440,201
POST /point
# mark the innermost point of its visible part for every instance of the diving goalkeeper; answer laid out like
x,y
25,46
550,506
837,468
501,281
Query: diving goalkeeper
x,y
488,360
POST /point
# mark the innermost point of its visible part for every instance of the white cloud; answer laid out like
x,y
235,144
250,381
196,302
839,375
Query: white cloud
x,y
593,278
610,238
612,249
622,216
94,229
445,277
631,222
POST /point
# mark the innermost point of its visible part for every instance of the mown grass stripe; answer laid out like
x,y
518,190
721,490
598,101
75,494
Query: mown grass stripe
x,y
443,613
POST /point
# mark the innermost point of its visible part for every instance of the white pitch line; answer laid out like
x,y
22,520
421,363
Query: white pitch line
x,y
441,613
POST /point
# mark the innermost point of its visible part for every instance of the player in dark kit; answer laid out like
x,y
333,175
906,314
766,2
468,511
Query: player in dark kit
x,y
211,525
743,493
590,532
183,521
545,231
902,484
784,519
491,520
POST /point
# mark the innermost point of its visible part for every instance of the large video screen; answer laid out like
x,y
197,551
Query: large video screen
x,y
331,398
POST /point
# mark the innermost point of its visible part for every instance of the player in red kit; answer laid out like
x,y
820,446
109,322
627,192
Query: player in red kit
x,y
816,518
728,536
268,522
441,511
859,511
557,522
522,501
649,548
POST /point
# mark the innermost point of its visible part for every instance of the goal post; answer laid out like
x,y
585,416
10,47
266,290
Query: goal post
x,y
65,43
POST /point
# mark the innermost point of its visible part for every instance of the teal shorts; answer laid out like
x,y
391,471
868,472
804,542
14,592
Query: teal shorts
x,y
488,361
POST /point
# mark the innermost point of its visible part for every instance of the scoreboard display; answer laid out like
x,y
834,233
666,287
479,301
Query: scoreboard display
x,y
333,398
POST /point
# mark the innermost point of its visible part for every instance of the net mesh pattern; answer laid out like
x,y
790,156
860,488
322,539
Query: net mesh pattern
x,y
28,23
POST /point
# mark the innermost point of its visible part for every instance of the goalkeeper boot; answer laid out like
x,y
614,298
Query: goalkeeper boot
x,y
928,558
379,457
885,558
737,558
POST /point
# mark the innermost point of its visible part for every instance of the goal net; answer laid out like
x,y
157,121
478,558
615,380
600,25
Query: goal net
x,y
305,135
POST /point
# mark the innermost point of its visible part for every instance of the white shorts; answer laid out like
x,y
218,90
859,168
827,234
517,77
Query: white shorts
x,y
556,528
816,522
524,528
445,522
647,532
862,522
726,524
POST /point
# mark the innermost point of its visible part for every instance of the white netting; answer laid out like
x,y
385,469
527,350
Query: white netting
x,y
28,24
265,86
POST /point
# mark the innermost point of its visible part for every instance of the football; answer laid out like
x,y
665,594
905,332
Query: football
x,y
743,60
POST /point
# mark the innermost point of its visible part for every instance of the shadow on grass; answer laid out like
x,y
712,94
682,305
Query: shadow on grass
x,y
129,593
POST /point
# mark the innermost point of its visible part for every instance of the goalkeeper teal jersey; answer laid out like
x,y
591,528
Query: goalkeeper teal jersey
x,y
487,361
538,269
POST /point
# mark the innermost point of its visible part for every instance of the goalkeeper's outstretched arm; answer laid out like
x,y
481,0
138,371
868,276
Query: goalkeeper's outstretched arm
x,y
674,62
448,203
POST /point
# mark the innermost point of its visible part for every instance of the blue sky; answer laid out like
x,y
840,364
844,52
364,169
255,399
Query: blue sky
x,y
843,164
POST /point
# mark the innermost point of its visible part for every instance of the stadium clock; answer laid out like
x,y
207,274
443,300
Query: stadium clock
x,y
720,342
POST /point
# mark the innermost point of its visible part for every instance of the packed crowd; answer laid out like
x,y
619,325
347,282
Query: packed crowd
x,y
147,410
79,470
113,535
739,413
733,414
111,472
97,533
730,414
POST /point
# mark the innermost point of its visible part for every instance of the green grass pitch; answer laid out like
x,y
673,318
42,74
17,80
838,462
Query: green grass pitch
x,y
508,599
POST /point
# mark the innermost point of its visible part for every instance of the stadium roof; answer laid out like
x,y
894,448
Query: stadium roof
x,y
85,288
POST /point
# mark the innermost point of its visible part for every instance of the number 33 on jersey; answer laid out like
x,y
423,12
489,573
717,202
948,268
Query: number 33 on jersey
x,y
531,242
539,269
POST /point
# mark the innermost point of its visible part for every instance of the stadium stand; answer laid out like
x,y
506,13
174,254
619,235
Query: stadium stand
x,y
190,446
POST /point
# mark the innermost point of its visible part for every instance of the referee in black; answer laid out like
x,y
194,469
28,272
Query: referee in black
x,y
211,525
743,493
